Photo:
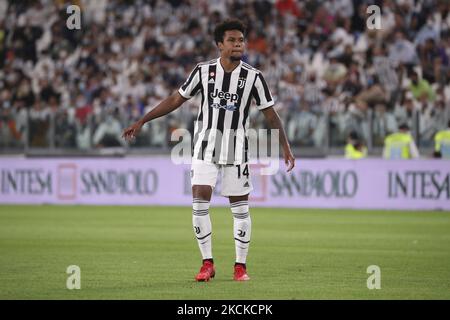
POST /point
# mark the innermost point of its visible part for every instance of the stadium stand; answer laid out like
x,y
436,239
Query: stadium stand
x,y
76,90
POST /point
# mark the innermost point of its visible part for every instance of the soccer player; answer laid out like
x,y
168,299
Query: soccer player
x,y
226,85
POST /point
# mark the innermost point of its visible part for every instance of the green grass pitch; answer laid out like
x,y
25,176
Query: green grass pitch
x,y
151,253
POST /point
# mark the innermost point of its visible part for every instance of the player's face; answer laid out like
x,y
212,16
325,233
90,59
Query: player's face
x,y
233,45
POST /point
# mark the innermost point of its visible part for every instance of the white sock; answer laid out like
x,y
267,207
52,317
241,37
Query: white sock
x,y
242,229
202,226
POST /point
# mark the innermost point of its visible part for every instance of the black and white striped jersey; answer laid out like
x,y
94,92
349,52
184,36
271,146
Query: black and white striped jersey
x,y
220,134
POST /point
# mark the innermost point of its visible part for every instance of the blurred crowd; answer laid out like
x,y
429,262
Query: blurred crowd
x,y
329,73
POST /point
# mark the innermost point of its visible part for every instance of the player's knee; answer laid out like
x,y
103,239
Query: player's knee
x,y
235,199
203,192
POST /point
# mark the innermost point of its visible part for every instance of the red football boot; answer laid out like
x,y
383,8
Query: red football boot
x,y
240,273
207,271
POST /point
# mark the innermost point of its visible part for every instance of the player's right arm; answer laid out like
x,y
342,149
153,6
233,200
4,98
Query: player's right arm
x,y
164,107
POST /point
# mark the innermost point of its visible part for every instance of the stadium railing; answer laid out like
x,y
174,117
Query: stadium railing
x,y
56,134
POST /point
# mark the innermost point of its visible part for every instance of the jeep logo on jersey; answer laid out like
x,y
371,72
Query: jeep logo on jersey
x,y
232,97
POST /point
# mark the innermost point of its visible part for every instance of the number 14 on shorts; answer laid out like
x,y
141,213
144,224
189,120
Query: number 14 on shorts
x,y
244,173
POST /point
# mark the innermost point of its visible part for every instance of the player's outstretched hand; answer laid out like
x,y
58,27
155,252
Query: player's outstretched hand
x,y
289,160
132,131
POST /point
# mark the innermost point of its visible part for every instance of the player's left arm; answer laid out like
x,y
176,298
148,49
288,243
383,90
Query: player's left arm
x,y
274,121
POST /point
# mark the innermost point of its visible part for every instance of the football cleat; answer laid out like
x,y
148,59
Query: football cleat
x,y
240,273
207,271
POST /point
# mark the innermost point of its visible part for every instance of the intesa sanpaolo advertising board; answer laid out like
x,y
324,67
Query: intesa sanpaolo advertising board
x,y
329,183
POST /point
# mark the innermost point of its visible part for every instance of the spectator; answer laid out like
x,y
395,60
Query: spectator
x,y
335,73
402,51
39,125
421,89
384,124
10,135
434,61
65,131
404,111
301,128
318,57
83,134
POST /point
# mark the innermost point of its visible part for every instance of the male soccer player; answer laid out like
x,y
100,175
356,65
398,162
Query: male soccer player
x,y
226,86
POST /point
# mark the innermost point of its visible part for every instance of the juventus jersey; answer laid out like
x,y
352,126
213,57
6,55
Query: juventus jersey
x,y
222,122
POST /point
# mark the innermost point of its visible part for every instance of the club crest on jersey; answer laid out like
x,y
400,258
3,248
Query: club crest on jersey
x,y
241,83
